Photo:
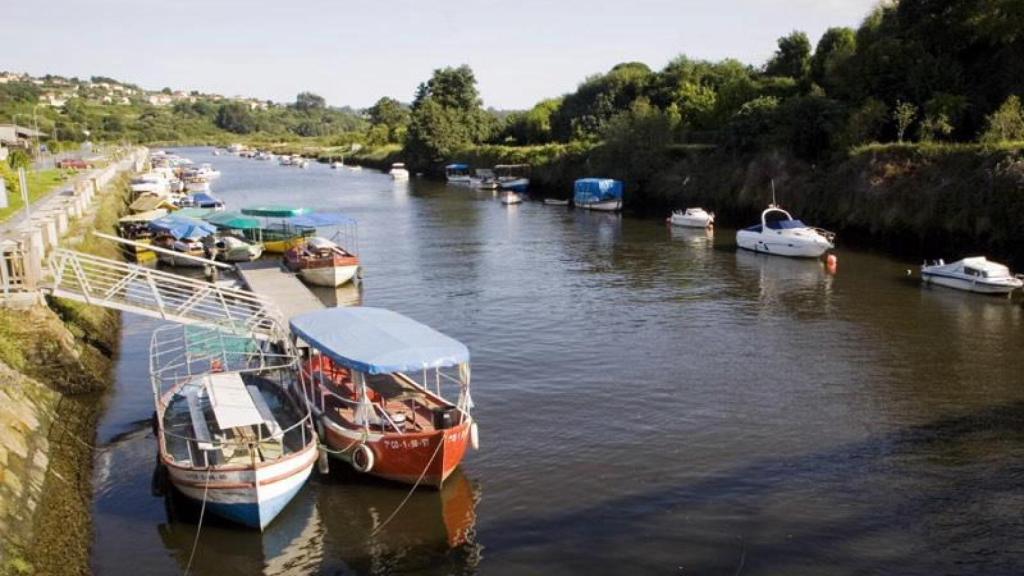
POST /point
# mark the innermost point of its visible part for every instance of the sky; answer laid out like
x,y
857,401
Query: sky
x,y
354,52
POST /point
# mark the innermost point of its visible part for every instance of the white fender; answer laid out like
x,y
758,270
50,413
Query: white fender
x,y
474,436
365,455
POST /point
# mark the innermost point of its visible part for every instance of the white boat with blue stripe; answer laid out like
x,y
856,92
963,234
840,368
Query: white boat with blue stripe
x,y
975,274
231,434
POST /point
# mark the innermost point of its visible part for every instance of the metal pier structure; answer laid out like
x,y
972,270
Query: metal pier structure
x,y
283,288
141,290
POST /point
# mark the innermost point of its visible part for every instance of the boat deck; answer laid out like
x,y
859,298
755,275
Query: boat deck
x,y
268,278
411,409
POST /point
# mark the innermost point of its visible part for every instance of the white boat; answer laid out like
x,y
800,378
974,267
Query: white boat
x,y
975,274
458,174
231,249
188,247
509,197
322,262
303,163
513,177
556,202
337,165
230,435
692,218
484,179
207,171
354,167
780,234
398,171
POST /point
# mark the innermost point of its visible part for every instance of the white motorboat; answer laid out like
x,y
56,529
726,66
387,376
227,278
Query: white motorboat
x,y
207,171
398,171
231,249
509,197
337,165
975,274
513,177
780,234
692,218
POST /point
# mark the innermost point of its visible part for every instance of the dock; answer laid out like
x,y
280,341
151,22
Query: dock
x,y
267,278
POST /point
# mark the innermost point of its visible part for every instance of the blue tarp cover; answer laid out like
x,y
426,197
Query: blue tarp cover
x,y
377,341
457,167
203,199
181,227
318,219
590,190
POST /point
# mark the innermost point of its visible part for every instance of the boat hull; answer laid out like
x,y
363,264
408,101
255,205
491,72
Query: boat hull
x,y
780,245
247,496
177,262
968,285
331,276
603,206
691,221
404,457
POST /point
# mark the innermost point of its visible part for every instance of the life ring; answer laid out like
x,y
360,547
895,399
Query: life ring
x,y
362,458
474,436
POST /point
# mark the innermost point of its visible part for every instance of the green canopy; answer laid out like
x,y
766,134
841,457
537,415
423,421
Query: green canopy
x,y
234,220
275,211
197,213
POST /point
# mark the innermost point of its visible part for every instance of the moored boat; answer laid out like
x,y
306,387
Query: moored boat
x,y
513,177
398,171
602,194
509,197
457,174
229,433
371,413
975,274
180,235
692,218
782,235
322,262
231,249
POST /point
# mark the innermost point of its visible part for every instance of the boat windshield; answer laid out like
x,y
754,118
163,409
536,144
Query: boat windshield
x,y
785,224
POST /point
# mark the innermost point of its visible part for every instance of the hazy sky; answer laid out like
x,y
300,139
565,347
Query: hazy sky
x,y
353,52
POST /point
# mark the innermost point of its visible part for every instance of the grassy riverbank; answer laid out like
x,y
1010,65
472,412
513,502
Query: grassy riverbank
x,y
40,183
56,362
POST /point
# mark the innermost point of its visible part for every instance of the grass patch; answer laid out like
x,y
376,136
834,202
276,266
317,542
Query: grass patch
x,y
40,183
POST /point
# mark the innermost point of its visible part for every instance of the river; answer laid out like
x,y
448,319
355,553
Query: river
x,y
650,401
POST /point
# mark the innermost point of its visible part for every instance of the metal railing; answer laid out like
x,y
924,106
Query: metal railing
x,y
112,284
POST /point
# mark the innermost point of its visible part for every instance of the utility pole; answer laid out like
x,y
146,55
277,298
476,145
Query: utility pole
x,y
24,192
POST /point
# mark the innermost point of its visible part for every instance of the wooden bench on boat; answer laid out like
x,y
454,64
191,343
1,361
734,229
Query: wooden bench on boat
x,y
264,410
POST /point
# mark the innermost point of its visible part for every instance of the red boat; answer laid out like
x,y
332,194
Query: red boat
x,y
322,262
371,413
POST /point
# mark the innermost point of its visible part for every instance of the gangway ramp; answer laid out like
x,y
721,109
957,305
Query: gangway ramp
x,y
280,286
141,290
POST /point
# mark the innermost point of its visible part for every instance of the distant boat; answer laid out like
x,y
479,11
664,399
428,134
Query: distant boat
x,y
602,194
513,177
484,179
782,235
229,433
457,174
398,171
976,274
509,197
185,246
692,218
337,165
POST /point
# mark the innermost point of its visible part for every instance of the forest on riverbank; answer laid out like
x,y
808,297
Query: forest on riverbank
x,y
922,99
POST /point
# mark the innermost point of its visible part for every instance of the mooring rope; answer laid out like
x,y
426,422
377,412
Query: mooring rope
x,y
323,445
414,486
199,527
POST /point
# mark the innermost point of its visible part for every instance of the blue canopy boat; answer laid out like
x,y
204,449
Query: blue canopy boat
x,y
598,194
358,377
457,173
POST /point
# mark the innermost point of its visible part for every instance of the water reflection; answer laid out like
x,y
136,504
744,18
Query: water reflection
x,y
787,285
693,237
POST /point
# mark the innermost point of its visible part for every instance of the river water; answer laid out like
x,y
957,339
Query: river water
x,y
650,401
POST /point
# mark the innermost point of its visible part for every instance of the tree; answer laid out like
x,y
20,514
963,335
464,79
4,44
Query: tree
x,y
792,58
636,142
236,117
307,101
166,90
19,158
447,115
866,123
831,59
904,114
1005,124
389,119
755,122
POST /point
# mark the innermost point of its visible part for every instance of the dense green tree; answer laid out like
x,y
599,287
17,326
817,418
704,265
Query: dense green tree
x,y
636,142
534,125
1006,124
831,61
236,117
754,124
18,158
583,113
866,123
792,58
306,101
390,119
447,115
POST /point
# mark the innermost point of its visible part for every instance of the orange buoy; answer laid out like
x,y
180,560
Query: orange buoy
x,y
831,263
